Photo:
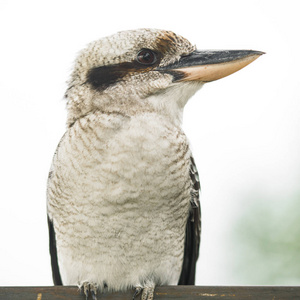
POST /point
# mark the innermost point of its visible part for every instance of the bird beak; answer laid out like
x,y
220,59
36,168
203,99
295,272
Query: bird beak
x,y
208,66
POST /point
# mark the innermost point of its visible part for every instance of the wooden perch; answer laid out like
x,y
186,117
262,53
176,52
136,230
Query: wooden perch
x,y
163,292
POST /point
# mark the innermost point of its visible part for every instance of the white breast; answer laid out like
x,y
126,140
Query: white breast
x,y
119,198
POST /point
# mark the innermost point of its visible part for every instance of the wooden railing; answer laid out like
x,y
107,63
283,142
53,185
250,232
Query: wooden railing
x,y
163,292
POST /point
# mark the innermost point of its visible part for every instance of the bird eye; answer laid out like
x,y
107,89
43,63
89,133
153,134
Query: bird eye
x,y
146,57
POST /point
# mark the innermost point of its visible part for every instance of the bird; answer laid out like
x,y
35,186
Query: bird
x,y
123,188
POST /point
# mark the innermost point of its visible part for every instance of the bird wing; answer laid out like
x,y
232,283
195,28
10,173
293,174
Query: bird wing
x,y
193,229
53,253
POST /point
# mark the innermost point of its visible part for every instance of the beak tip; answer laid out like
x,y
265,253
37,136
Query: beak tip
x,y
258,53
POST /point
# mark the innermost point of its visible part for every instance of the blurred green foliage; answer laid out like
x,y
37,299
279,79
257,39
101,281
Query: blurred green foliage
x,y
266,241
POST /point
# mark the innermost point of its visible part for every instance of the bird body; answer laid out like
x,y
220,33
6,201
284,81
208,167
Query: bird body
x,y
123,189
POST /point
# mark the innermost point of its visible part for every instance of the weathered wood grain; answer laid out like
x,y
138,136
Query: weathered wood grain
x,y
161,293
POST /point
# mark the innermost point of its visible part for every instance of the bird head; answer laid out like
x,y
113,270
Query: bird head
x,y
145,70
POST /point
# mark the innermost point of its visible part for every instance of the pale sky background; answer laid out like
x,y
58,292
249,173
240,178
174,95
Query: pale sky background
x,y
244,129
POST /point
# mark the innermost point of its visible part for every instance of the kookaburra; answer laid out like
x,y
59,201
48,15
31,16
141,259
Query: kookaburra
x,y
123,189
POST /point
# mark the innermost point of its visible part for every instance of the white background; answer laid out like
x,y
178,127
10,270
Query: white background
x,y
244,129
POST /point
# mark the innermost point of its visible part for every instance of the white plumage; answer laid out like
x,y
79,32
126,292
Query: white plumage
x,y
121,194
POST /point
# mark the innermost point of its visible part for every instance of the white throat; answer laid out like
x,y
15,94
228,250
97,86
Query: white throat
x,y
172,100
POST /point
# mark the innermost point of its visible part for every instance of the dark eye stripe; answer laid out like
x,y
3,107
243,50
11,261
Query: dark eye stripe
x,y
102,77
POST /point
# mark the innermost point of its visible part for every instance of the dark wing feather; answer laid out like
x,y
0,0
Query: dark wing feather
x,y
53,252
193,229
